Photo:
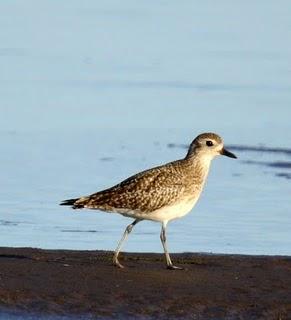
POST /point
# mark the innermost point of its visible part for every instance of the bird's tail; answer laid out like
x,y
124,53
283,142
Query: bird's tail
x,y
72,202
68,202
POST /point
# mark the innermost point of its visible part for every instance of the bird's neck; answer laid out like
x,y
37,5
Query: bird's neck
x,y
199,165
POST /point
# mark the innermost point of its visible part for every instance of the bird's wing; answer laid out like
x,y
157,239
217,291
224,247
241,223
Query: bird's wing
x,y
146,191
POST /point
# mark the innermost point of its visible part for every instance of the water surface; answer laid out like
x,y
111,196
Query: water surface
x,y
101,90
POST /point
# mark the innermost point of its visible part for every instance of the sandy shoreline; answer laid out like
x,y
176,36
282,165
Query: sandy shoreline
x,y
85,282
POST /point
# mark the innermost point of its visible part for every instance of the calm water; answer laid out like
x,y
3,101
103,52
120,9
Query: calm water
x,y
28,316
93,92
19,316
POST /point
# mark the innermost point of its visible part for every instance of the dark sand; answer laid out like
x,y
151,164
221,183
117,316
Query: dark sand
x,y
85,282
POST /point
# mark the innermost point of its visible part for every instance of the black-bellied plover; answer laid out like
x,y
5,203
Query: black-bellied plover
x,y
159,194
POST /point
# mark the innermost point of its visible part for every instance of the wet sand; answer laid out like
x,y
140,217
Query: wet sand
x,y
85,282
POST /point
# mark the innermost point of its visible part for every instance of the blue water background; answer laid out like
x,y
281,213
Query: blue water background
x,y
92,92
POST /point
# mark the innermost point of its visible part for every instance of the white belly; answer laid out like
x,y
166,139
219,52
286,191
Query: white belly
x,y
174,211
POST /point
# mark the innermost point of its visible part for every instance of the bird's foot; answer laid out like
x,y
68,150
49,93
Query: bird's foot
x,y
117,264
172,267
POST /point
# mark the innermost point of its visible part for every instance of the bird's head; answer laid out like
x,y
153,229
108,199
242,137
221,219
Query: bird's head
x,y
209,145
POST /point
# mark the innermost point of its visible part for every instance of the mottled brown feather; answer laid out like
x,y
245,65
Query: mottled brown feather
x,y
145,192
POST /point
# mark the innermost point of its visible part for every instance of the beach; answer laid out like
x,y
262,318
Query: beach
x,y
80,283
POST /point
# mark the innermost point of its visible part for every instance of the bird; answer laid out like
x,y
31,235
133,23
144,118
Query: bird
x,y
160,194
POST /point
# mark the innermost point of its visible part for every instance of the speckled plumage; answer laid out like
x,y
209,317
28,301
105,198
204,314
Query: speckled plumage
x,y
162,193
148,190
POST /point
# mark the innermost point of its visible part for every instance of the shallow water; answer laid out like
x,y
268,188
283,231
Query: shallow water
x,y
20,316
102,90
28,316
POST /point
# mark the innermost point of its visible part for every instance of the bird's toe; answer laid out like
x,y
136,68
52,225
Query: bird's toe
x,y
118,264
172,267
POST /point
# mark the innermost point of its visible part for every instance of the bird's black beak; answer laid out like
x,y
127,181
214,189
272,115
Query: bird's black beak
x,y
224,152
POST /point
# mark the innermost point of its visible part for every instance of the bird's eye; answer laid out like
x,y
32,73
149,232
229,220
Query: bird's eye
x,y
209,143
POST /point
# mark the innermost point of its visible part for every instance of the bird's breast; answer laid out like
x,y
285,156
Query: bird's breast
x,y
174,211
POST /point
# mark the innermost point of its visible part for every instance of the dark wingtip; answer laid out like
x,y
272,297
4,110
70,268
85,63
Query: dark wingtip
x,y
69,202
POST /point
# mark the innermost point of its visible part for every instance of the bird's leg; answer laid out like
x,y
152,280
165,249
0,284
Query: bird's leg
x,y
125,235
164,243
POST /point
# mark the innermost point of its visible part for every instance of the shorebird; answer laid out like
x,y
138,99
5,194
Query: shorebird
x,y
160,194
